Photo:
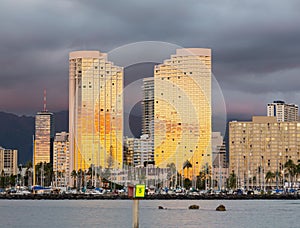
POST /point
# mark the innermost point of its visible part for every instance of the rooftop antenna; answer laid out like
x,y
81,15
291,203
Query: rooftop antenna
x,y
45,101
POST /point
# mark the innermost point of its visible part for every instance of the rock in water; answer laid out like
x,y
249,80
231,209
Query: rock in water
x,y
221,208
194,207
160,207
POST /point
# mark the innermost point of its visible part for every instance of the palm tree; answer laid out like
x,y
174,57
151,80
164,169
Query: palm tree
x,y
270,177
90,171
38,173
172,173
74,176
29,164
297,170
291,168
2,182
48,173
254,181
28,173
231,182
187,165
278,178
200,183
187,183
98,184
80,177
12,179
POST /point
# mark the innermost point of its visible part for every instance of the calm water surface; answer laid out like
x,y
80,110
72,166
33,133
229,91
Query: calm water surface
x,y
118,213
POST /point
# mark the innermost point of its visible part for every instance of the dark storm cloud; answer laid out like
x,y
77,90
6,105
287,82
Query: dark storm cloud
x,y
255,44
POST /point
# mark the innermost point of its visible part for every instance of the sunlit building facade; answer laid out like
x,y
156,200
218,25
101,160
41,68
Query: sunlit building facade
x,y
182,111
8,161
44,135
95,111
259,146
61,159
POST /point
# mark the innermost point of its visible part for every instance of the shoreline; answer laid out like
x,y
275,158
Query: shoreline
x,y
148,197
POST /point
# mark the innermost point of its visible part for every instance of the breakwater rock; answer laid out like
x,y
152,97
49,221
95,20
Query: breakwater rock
x,y
193,207
221,208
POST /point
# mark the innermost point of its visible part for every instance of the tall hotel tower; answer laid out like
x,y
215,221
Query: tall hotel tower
x,y
182,111
95,111
44,136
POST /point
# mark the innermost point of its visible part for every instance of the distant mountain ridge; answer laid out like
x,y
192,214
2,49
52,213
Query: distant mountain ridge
x,y
16,132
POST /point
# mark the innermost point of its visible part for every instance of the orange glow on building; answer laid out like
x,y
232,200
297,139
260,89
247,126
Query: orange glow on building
x,y
182,111
95,110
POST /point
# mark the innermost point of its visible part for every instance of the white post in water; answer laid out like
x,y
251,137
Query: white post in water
x,y
139,192
135,213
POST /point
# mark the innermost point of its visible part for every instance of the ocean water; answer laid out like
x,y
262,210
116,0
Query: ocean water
x,y
118,213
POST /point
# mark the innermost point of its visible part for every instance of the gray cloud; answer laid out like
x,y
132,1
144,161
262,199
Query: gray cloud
x,y
255,44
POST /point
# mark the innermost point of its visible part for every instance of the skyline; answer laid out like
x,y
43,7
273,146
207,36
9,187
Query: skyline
x,y
256,64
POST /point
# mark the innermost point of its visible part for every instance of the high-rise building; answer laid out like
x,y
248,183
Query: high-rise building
x,y
220,164
8,161
148,106
148,114
95,111
43,140
282,111
128,151
259,146
182,111
61,159
44,135
142,150
218,150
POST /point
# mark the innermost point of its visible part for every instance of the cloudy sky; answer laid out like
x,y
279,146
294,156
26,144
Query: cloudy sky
x,y
255,45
